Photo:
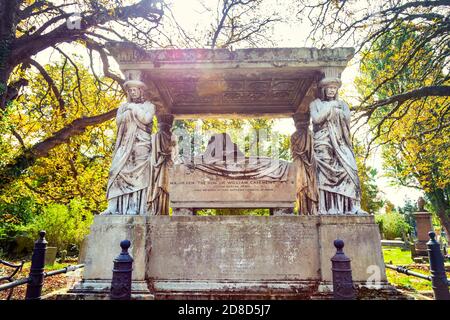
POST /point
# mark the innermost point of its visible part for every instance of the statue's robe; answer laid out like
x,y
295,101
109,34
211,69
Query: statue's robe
x,y
163,143
129,176
338,182
302,150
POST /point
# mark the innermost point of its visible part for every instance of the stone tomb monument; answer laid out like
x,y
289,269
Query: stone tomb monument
x,y
188,256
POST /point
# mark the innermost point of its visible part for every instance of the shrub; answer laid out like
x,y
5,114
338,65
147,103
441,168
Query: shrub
x,y
64,225
392,225
14,216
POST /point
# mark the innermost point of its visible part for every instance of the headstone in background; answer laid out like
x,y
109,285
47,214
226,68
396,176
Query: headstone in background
x,y
50,255
423,226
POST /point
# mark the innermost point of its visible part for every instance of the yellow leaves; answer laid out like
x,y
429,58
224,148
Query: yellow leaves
x,y
415,142
10,219
78,169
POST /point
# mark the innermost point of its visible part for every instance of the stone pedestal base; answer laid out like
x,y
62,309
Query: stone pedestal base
x,y
219,257
364,291
99,290
420,247
423,226
101,247
233,290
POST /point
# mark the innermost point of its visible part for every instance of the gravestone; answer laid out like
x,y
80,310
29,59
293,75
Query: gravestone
x,y
423,226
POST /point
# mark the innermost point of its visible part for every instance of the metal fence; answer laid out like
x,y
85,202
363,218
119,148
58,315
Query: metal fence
x,y
343,288
37,275
438,277
120,284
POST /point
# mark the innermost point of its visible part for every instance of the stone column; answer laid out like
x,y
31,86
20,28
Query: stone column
x,y
423,226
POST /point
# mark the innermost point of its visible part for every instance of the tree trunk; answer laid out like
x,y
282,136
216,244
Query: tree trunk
x,y
441,205
8,25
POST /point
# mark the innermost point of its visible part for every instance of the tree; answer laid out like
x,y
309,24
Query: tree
x,y
69,183
240,21
371,200
363,25
407,210
392,225
77,168
28,27
414,135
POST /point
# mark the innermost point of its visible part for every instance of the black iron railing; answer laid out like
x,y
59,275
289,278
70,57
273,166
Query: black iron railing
x,y
10,278
35,279
405,270
438,277
120,284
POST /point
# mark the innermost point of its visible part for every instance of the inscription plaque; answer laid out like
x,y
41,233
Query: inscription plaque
x,y
190,188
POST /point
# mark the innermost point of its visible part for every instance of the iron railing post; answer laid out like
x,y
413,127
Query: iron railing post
x,y
437,269
36,276
343,288
122,272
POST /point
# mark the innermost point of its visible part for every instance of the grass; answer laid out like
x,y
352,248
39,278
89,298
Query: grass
x,y
399,257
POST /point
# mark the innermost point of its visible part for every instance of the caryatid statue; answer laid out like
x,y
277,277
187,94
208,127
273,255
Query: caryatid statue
x,y
162,156
302,150
337,175
129,177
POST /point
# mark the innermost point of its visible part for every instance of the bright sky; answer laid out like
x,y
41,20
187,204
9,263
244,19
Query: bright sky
x,y
195,19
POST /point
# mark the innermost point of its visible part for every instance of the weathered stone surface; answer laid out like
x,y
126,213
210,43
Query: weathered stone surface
x,y
90,289
50,255
129,174
235,256
103,245
423,226
233,247
127,53
339,189
196,189
262,81
234,290
362,245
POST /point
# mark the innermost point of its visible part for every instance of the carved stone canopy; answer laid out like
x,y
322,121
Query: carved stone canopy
x,y
202,83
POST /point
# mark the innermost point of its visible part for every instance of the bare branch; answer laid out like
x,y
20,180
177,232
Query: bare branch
x,y
51,84
399,99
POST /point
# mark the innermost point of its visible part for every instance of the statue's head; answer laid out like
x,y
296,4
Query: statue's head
x,y
135,91
421,204
329,88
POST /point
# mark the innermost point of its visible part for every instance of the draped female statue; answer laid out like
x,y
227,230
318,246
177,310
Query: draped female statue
x,y
302,150
164,151
129,177
338,182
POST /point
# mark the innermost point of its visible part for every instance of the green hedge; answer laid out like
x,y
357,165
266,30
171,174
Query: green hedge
x,y
392,225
